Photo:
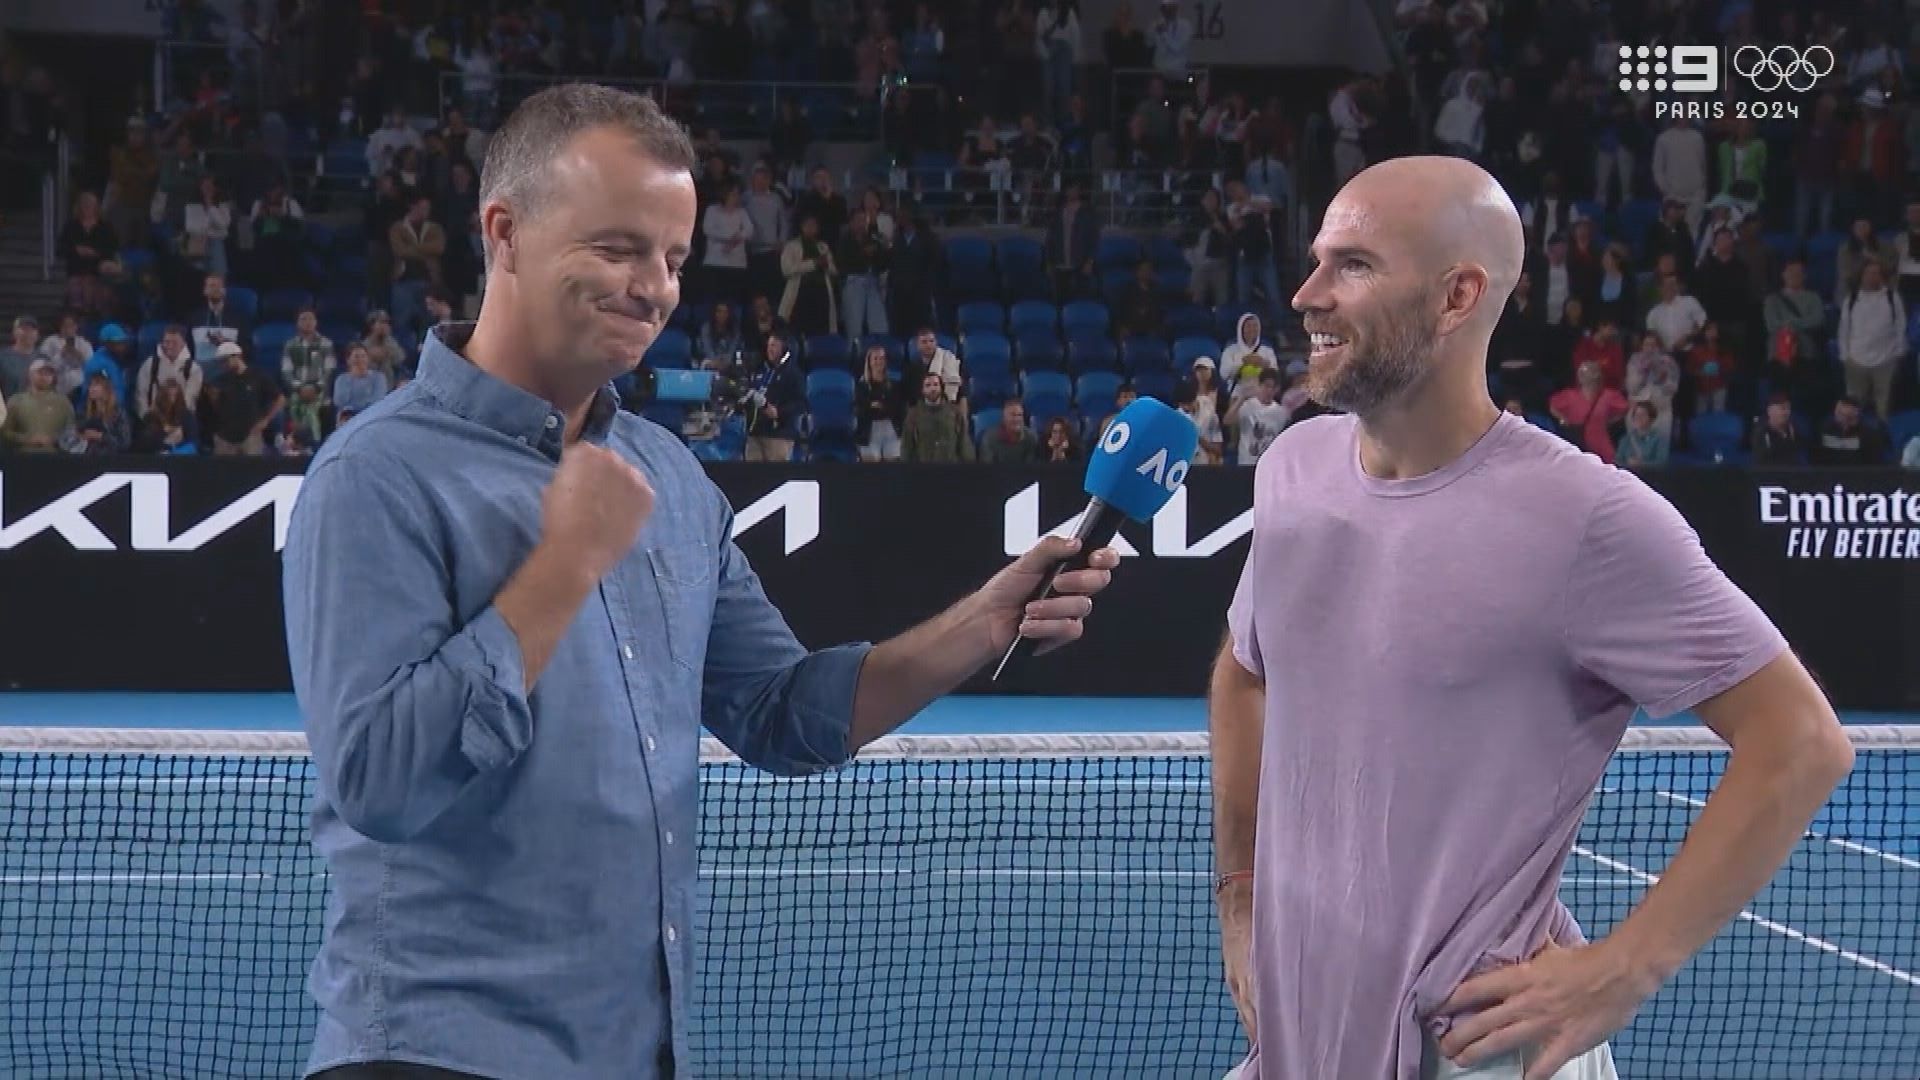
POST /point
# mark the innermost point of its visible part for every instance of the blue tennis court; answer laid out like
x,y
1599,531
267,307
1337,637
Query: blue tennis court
x,y
1006,908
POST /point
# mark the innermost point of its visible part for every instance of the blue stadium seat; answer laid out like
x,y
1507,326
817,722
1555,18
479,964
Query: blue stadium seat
x,y
350,239
1021,252
972,281
1085,318
986,351
1034,315
349,269
1902,428
134,260
318,236
972,251
1096,386
342,305
985,420
1051,383
828,351
1590,210
342,335
668,414
1174,280
1146,354
672,349
1040,351
1186,349
1782,245
990,388
1156,384
283,305
269,338
1023,270
828,384
1117,251
1189,320
1716,434
1165,252
244,302
1085,354
149,339
1632,221
978,315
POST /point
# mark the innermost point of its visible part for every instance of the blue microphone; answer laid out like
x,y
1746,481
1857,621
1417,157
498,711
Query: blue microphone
x,y
1141,461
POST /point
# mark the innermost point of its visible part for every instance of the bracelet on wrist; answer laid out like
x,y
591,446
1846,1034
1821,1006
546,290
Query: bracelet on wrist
x,y
1221,881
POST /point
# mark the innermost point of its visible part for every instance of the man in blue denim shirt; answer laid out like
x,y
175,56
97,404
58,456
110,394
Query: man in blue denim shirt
x,y
510,609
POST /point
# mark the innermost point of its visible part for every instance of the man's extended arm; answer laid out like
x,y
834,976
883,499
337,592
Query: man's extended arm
x,y
1789,753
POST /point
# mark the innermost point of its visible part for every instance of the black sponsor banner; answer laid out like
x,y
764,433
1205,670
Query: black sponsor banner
x,y
164,575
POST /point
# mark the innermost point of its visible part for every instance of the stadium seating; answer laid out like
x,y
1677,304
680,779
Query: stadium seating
x,y
828,351
672,349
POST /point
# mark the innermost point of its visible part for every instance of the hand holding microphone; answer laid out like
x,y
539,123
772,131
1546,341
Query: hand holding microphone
x,y
1133,473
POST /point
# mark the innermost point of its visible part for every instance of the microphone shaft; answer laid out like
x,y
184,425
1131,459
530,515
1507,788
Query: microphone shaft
x,y
1097,528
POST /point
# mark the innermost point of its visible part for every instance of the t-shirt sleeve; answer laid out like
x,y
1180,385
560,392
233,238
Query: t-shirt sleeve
x,y
1650,614
1240,613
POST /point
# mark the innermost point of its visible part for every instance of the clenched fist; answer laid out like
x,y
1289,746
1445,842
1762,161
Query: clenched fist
x,y
594,508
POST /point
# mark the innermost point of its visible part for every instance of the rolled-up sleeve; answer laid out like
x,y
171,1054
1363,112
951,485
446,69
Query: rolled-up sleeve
x,y
406,702
776,705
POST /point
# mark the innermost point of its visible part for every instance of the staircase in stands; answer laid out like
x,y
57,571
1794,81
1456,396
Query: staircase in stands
x,y
23,291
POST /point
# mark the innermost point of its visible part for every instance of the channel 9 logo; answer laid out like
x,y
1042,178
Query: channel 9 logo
x,y
1694,69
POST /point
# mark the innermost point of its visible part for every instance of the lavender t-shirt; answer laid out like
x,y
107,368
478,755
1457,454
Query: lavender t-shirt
x,y
1449,661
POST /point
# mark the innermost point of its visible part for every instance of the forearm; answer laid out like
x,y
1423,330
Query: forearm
x,y
539,603
903,675
1235,704
1760,810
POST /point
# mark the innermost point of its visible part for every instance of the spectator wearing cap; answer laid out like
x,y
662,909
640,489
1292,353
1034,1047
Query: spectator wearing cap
x,y
358,388
1202,385
18,357
308,356
39,419
383,352
103,427
114,358
242,403
69,353
172,361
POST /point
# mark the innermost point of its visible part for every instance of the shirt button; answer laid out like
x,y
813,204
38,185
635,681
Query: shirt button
x,y
649,744
552,422
669,837
626,652
672,935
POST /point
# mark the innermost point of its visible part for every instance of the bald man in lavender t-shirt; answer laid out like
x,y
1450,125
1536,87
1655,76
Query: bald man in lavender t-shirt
x,y
1445,623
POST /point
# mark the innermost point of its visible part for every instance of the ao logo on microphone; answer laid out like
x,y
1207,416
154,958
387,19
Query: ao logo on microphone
x,y
1156,468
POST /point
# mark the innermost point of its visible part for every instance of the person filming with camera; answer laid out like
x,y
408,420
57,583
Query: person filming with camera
x,y
775,396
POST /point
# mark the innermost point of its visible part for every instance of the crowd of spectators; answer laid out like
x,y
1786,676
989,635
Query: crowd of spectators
x,y
1719,290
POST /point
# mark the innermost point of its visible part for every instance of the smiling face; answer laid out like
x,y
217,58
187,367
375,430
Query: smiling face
x,y
597,268
1365,313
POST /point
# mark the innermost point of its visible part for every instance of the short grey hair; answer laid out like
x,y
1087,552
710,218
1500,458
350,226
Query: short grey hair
x,y
519,153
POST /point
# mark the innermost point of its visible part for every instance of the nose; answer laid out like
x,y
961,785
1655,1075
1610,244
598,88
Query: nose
x,y
653,281
1315,293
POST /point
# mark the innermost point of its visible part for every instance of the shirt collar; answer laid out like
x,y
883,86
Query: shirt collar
x,y
475,395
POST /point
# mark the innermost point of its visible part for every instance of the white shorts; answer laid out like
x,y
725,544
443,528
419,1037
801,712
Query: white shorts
x,y
1595,1064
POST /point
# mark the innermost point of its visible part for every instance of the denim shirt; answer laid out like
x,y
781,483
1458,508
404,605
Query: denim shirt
x,y
514,876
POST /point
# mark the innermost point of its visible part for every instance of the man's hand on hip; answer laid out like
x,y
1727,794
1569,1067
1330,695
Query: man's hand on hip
x,y
1558,1005
594,508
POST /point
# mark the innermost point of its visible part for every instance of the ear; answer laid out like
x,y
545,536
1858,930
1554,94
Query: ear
x,y
1463,292
498,231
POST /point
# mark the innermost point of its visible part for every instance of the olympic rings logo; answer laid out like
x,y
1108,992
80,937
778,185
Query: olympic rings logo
x,y
1783,65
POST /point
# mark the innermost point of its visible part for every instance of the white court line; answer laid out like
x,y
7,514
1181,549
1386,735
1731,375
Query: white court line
x,y
1844,845
1782,929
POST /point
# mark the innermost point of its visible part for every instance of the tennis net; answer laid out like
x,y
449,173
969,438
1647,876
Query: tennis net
x,y
1008,906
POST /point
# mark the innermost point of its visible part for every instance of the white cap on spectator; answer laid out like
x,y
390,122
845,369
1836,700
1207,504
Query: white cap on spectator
x,y
1205,362
226,349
